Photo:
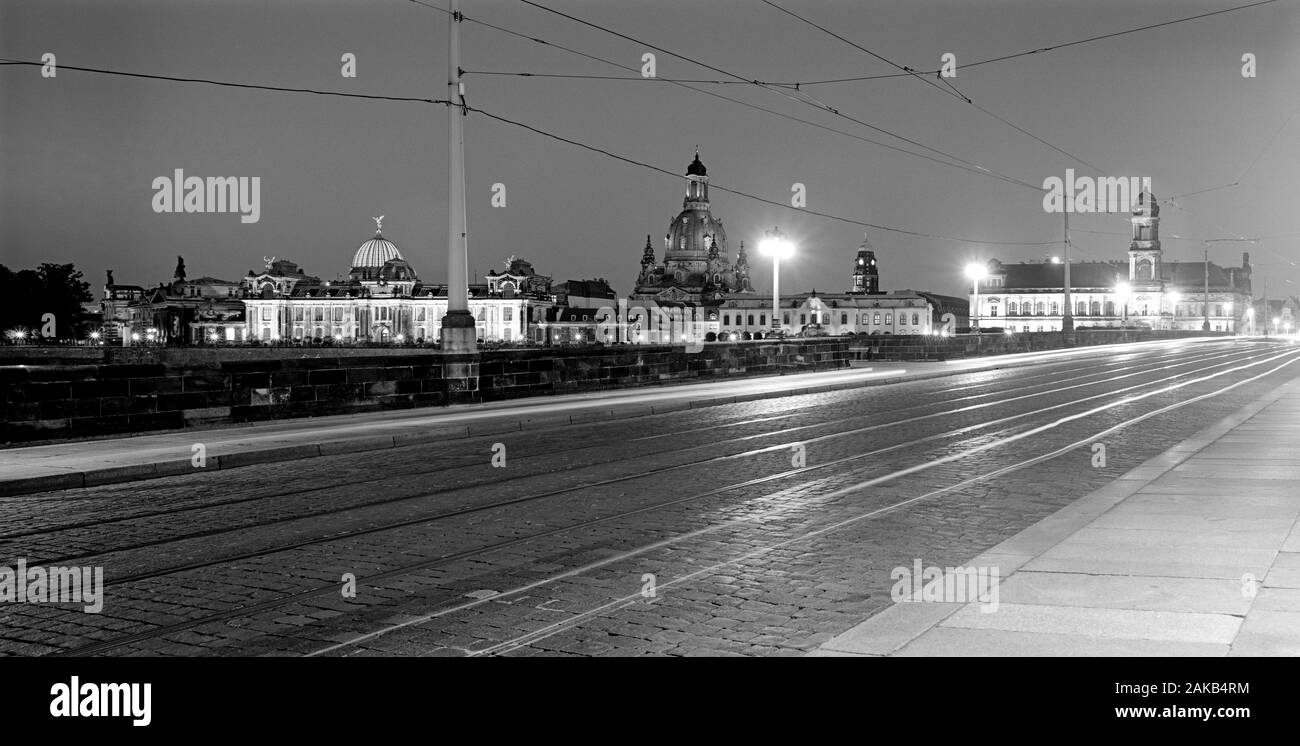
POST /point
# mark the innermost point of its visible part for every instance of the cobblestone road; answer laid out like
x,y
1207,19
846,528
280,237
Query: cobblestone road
x,y
761,528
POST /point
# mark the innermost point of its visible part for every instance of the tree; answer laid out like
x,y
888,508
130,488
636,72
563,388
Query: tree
x,y
51,288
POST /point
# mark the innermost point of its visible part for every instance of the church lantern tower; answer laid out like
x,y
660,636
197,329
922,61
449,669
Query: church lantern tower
x,y
1144,250
866,275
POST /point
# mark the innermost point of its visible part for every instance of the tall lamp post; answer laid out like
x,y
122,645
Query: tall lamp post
x,y
777,246
459,330
976,272
1122,290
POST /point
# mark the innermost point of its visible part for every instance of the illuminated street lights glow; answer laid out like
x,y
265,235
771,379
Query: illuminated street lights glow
x,y
1122,290
775,245
976,272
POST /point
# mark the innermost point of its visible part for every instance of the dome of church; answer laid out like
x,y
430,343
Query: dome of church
x,y
697,167
692,233
375,253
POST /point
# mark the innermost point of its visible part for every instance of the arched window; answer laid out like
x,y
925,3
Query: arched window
x,y
1080,309
876,318
726,319
1012,308
889,319
1056,309
916,319
1110,308
750,319
1095,308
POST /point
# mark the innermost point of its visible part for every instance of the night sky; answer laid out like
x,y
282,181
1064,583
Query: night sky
x,y
78,153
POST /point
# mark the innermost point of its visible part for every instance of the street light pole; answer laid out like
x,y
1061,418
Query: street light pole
x,y
1067,321
776,291
776,245
1122,290
1205,305
459,332
976,272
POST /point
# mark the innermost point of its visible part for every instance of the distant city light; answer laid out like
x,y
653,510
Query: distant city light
x,y
976,271
1056,260
135,337
94,335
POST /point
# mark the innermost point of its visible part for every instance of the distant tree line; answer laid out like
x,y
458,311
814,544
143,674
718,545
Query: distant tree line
x,y
28,294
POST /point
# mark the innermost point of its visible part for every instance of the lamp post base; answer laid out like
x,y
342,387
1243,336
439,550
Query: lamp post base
x,y
459,332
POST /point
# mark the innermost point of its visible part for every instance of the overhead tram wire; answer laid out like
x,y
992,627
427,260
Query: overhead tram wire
x,y
755,197
468,108
1051,48
795,95
926,79
683,84
228,84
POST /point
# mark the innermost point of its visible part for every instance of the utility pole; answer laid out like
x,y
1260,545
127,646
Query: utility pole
x,y
1265,303
1205,325
459,333
1067,321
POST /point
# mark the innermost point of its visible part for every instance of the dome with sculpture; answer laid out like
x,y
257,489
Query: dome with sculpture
x,y
376,252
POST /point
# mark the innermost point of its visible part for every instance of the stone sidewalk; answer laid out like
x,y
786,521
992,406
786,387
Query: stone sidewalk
x,y
1194,553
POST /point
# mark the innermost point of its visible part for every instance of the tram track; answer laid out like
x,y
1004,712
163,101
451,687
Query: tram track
x,y
642,475
255,608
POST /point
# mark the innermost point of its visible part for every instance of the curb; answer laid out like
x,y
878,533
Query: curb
x,y
895,627
238,459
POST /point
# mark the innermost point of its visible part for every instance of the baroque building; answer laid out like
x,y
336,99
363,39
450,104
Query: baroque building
x,y
383,299
697,266
1144,291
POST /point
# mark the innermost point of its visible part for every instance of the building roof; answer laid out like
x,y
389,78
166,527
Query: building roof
x,y
697,167
375,253
1044,275
586,289
1050,275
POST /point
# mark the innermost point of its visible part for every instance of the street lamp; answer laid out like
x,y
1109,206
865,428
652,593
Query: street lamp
x,y
1250,319
976,272
775,245
1122,290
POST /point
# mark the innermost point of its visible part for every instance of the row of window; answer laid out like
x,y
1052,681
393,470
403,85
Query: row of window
x,y
1082,308
341,314
824,318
